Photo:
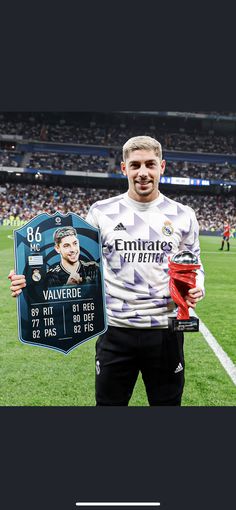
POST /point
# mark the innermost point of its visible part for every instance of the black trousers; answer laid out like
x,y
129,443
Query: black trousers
x,y
121,353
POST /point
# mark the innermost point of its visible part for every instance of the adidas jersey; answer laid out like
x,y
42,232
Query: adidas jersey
x,y
57,275
137,239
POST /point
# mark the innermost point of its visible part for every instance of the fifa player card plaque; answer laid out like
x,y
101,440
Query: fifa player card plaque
x,y
182,272
63,303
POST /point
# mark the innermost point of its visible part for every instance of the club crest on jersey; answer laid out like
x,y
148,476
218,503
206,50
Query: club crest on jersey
x,y
167,228
36,276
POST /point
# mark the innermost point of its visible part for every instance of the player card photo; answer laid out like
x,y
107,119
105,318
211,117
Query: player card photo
x,y
63,303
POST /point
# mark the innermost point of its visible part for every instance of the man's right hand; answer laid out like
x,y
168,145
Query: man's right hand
x,y
18,282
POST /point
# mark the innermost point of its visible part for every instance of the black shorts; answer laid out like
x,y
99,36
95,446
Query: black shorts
x,y
225,238
121,353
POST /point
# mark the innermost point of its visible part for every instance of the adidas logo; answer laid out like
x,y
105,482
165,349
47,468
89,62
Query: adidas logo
x,y
120,226
98,368
179,368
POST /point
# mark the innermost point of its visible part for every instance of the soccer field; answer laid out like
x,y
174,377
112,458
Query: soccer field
x,y
35,376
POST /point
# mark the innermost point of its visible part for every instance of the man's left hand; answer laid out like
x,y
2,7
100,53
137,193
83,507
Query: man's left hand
x,y
194,295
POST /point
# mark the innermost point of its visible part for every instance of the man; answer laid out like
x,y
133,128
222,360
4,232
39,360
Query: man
x,y
70,270
139,230
226,236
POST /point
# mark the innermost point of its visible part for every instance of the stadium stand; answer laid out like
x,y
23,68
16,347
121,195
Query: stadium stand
x,y
48,161
62,161
30,200
174,134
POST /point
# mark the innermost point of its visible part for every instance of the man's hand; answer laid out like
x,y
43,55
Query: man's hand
x,y
18,282
194,295
74,279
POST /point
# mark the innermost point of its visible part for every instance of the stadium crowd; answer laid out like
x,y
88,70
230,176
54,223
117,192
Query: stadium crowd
x,y
8,158
64,161
98,163
212,171
93,132
29,200
95,163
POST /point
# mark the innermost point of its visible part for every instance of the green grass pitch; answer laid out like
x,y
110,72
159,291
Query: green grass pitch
x,y
36,376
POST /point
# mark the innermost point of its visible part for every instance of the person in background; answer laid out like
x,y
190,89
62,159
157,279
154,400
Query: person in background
x,y
226,236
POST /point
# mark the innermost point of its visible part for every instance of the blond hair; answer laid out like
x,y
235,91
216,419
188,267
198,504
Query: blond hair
x,y
142,142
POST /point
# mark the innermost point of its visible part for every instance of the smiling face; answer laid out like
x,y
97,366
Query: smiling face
x,y
69,249
143,169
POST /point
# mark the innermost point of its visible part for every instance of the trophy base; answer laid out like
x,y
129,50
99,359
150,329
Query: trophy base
x,y
188,325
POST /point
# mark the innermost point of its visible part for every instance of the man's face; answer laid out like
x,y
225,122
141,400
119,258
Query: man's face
x,y
143,169
69,249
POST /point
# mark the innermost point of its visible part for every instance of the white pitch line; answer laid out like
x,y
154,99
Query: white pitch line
x,y
217,252
118,504
224,359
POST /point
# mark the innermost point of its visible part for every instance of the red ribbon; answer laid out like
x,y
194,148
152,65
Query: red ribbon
x,y
182,278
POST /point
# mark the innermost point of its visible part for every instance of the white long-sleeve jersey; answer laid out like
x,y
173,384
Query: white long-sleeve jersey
x,y
137,239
